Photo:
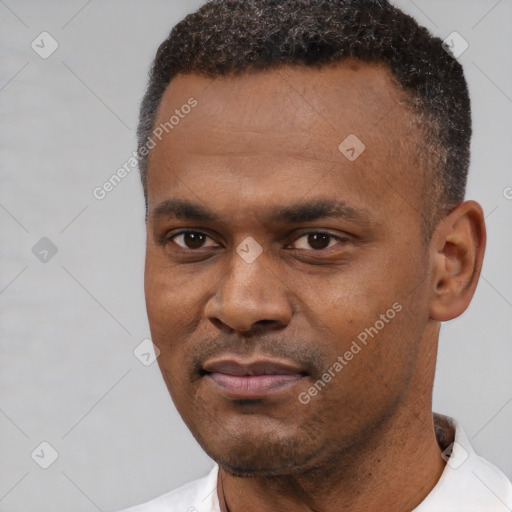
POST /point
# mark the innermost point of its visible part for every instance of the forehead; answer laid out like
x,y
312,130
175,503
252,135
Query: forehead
x,y
350,95
268,130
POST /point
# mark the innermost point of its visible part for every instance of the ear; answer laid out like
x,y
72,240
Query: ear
x,y
457,249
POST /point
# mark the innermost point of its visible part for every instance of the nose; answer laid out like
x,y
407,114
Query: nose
x,y
250,296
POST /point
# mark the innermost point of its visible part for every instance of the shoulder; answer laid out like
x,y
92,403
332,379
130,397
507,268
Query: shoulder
x,y
197,496
469,482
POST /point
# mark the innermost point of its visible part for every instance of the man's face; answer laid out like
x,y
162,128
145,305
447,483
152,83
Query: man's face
x,y
243,336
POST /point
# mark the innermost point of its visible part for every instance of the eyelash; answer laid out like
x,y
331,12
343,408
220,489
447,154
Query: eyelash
x,y
170,238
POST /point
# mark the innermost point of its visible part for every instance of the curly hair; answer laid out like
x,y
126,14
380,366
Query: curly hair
x,y
232,36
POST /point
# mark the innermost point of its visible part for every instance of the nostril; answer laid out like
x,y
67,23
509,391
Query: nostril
x,y
264,322
221,325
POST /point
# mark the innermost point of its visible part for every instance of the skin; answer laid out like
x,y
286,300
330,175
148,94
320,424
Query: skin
x,y
259,142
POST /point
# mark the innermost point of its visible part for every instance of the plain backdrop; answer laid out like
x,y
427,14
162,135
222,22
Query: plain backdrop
x,y
70,321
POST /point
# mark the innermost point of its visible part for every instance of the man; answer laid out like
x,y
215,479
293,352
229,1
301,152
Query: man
x,y
304,165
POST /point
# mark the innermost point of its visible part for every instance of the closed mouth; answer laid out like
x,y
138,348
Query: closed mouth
x,y
255,378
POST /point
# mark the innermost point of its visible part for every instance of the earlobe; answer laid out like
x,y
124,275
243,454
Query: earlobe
x,y
457,251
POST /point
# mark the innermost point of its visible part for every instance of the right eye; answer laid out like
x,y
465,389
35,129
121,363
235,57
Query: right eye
x,y
190,239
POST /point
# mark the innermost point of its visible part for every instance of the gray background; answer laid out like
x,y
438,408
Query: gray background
x,y
68,326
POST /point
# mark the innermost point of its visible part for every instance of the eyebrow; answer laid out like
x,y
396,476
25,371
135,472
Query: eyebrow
x,y
306,211
319,209
184,210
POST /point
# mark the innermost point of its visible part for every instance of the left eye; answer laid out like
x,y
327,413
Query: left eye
x,y
317,240
192,240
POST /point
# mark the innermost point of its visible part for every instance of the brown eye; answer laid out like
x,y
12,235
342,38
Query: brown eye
x,y
319,240
316,240
191,240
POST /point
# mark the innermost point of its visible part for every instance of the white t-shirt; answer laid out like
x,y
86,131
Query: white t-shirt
x,y
469,483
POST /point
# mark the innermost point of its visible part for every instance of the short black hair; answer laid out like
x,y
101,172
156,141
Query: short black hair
x,y
232,36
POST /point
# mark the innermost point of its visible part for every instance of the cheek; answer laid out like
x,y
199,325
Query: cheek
x,y
170,294
166,310
175,298
369,324
343,305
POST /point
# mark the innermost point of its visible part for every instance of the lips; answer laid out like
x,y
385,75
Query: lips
x,y
254,379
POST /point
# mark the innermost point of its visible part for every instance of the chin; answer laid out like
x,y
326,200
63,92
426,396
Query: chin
x,y
259,457
257,468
